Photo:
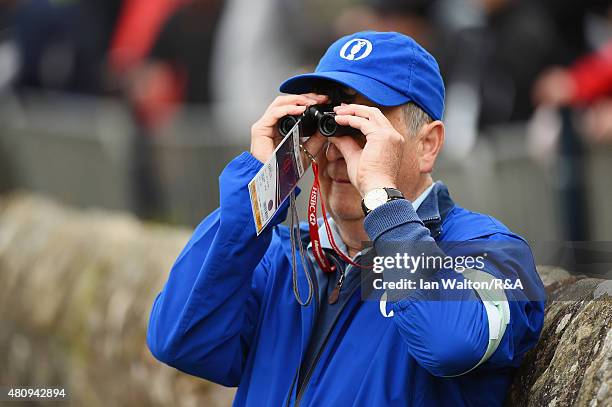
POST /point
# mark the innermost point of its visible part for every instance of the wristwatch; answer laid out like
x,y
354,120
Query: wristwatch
x,y
378,196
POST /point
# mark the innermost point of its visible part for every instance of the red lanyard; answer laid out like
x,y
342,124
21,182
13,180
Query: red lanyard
x,y
313,227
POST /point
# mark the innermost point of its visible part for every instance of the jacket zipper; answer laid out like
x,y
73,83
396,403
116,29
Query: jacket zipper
x,y
427,222
437,218
335,294
314,363
313,276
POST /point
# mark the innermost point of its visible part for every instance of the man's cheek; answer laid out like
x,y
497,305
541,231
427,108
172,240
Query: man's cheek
x,y
325,183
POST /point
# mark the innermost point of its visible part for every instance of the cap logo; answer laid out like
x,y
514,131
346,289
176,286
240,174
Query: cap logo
x,y
356,49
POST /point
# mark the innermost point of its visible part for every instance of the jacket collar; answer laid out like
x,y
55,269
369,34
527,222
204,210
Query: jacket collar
x,y
435,207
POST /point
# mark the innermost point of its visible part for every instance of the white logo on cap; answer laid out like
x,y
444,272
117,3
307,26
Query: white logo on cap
x,y
356,49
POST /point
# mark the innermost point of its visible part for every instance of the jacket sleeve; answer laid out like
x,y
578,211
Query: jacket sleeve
x,y
204,319
447,331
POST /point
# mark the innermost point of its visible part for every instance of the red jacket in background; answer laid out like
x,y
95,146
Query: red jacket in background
x,y
592,76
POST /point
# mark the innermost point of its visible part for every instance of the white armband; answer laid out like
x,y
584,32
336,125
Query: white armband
x,y
497,308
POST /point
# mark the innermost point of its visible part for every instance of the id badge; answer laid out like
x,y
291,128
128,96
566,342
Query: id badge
x,y
272,185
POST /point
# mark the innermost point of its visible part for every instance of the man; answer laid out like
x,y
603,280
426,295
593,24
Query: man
x,y
228,311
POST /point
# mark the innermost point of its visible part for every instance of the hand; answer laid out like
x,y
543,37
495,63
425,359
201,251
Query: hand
x,y
378,163
264,132
554,87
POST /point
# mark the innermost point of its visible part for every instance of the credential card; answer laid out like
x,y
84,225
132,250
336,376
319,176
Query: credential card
x,y
277,178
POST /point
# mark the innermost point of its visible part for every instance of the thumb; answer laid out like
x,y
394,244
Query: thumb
x,y
315,143
351,152
348,147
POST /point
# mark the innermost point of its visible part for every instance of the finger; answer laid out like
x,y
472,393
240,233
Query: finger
x,y
367,112
364,125
317,96
291,100
282,111
348,147
357,109
296,100
275,113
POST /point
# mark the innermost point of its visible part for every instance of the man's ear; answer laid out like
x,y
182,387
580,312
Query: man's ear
x,y
431,140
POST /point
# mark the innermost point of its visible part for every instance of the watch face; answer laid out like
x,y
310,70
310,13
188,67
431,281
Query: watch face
x,y
375,198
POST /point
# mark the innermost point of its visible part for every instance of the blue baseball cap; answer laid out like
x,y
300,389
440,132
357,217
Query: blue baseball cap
x,y
388,68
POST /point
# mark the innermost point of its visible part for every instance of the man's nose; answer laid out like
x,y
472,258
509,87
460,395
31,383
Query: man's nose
x,y
332,153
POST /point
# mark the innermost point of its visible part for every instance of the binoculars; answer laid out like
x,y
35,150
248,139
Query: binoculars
x,y
316,117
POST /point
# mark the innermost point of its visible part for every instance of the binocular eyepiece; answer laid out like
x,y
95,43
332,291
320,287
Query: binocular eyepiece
x,y
317,117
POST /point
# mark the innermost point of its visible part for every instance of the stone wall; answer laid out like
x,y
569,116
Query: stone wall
x,y
76,288
572,364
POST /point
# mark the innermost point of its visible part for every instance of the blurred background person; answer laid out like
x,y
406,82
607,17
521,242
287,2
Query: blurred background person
x,y
585,84
9,57
491,67
574,106
411,17
62,44
162,54
259,44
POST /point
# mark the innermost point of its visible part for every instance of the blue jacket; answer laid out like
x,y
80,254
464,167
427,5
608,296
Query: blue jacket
x,y
228,314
